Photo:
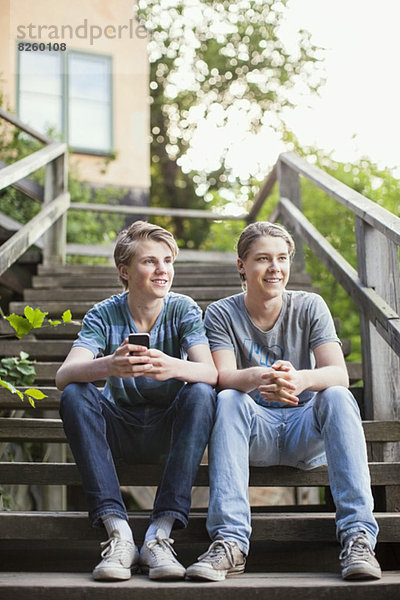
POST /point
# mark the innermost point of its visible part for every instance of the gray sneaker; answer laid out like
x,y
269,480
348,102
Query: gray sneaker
x,y
223,559
157,558
119,556
357,559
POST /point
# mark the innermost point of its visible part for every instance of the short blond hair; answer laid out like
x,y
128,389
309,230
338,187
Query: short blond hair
x,y
129,239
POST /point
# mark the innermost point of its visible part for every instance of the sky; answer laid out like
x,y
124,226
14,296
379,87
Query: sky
x,y
357,111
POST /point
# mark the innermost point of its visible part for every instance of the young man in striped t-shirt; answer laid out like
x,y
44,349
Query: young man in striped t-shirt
x,y
158,404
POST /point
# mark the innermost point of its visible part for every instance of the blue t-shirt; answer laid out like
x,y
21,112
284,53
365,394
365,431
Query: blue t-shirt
x,y
178,327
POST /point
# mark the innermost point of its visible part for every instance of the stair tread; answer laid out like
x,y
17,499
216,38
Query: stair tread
x,y
382,473
266,526
283,586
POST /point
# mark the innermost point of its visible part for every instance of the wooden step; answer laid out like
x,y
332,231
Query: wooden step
x,y
45,349
44,473
193,278
273,527
56,308
375,431
96,295
273,586
179,267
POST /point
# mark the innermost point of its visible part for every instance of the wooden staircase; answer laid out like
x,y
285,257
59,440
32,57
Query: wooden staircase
x,y
49,551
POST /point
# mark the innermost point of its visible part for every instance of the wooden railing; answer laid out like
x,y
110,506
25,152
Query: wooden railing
x,y
375,287
50,222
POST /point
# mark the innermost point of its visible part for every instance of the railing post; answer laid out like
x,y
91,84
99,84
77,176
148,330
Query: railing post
x,y
289,187
55,242
54,253
378,267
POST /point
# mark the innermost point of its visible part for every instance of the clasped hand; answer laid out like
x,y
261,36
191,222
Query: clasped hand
x,y
142,363
282,383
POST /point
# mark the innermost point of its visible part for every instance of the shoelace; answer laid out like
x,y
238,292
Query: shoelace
x,y
218,550
110,547
161,544
359,547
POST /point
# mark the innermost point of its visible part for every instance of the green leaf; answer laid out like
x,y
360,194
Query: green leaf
x,y
10,362
66,316
26,369
54,323
35,317
23,355
20,324
11,388
34,393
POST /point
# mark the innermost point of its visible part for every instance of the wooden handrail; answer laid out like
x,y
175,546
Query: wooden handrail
x,y
263,194
26,166
7,116
371,212
14,247
149,210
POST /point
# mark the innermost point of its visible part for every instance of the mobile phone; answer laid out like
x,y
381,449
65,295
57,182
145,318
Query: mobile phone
x,y
140,339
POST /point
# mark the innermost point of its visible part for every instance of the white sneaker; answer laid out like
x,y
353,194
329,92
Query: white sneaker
x,y
119,556
157,558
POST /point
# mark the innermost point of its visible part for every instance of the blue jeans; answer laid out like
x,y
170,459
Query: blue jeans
x,y
102,434
326,429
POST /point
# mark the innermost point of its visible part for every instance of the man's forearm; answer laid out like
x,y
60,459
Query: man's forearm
x,y
83,371
243,380
194,372
324,377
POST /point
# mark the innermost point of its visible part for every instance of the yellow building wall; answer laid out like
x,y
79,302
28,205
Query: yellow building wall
x,y
99,26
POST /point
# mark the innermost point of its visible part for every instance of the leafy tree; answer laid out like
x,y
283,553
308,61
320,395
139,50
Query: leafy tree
x,y
224,62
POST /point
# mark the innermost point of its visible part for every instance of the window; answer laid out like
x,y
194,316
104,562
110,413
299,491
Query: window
x,y
69,93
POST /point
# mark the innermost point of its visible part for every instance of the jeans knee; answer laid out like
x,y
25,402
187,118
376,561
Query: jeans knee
x,y
232,402
337,400
198,396
72,399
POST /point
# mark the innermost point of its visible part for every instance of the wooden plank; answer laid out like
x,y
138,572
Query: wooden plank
x,y
24,167
289,187
13,402
45,349
374,431
371,212
27,186
55,238
193,279
226,266
276,526
86,294
263,193
299,585
184,213
378,268
15,247
382,474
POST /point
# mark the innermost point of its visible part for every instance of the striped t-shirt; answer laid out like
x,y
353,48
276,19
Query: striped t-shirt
x,y
178,327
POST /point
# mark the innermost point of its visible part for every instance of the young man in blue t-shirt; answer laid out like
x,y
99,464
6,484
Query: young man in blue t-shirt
x,y
156,406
